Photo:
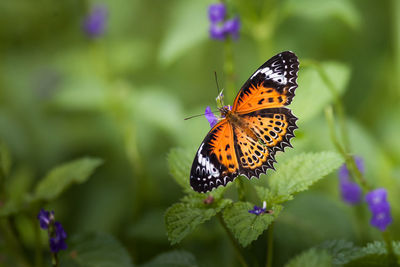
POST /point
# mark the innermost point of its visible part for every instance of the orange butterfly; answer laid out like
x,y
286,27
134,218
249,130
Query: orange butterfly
x,y
245,141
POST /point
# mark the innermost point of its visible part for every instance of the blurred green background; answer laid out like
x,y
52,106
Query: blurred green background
x,y
123,96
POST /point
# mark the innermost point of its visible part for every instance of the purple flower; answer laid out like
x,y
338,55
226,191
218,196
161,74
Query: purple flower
x,y
56,232
258,210
350,191
45,217
95,23
57,242
212,119
379,207
220,29
344,172
217,32
216,12
232,27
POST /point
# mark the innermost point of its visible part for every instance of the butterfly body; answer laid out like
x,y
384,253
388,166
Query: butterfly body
x,y
245,140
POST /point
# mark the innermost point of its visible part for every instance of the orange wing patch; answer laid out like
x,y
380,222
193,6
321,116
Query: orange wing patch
x,y
273,128
270,129
215,163
222,145
259,97
252,154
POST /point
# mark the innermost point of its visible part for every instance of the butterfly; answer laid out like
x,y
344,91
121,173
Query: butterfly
x,y
245,140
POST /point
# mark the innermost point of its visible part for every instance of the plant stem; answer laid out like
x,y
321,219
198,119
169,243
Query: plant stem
x,y
233,241
270,245
13,243
229,71
350,162
388,240
38,243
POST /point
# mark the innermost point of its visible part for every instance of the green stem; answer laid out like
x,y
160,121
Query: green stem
x,y
270,245
389,245
233,241
337,101
350,162
38,243
229,70
13,244
54,259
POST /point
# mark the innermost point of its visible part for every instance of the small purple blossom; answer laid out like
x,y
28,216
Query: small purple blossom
x,y
216,12
212,119
232,27
57,242
344,171
220,28
379,207
45,217
95,23
350,191
258,210
56,232
217,32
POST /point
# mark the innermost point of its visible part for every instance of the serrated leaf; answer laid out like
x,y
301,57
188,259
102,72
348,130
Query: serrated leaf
x,y
247,227
179,162
340,250
264,194
183,218
97,249
301,171
61,177
372,255
5,161
176,258
311,83
311,258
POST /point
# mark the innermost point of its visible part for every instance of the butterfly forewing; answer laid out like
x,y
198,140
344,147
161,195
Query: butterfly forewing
x,y
215,162
271,85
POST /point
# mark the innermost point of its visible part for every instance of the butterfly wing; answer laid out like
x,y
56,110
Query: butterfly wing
x,y
273,128
215,162
271,85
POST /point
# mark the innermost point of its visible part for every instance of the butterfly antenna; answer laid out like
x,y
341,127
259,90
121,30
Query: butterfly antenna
x,y
216,81
194,116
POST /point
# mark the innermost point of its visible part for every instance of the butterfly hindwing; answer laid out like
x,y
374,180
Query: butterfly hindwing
x,y
273,128
215,162
271,85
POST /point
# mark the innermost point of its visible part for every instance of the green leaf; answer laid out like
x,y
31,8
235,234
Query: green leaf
x,y
61,177
97,249
176,258
343,10
189,26
183,218
5,161
247,227
311,258
340,250
17,187
312,84
373,255
180,162
301,171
